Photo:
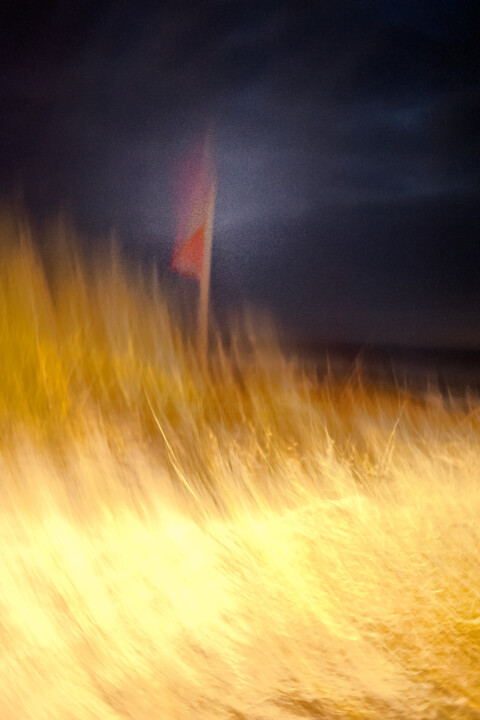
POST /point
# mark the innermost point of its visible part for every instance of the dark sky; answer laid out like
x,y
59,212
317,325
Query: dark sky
x,y
347,144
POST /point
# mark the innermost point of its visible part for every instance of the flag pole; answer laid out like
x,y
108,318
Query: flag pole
x,y
205,279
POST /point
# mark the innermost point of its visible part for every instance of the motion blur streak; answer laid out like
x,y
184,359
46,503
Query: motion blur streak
x,y
248,544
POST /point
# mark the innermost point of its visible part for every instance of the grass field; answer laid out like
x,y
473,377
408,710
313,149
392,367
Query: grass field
x,y
247,544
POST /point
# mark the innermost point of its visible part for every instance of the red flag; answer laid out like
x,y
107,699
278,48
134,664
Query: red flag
x,y
197,183
188,254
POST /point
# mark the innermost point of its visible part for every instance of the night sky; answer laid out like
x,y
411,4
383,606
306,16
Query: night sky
x,y
346,136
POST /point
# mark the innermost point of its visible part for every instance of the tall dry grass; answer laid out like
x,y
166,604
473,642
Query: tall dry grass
x,y
247,543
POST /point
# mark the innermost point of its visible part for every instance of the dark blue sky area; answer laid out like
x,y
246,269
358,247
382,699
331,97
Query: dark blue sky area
x,y
347,143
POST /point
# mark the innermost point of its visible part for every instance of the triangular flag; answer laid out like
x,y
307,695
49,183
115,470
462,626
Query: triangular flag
x,y
197,185
188,256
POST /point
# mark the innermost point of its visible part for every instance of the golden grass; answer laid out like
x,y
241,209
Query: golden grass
x,y
246,544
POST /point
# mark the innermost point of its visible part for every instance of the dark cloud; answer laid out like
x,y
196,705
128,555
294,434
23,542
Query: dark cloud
x,y
346,136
